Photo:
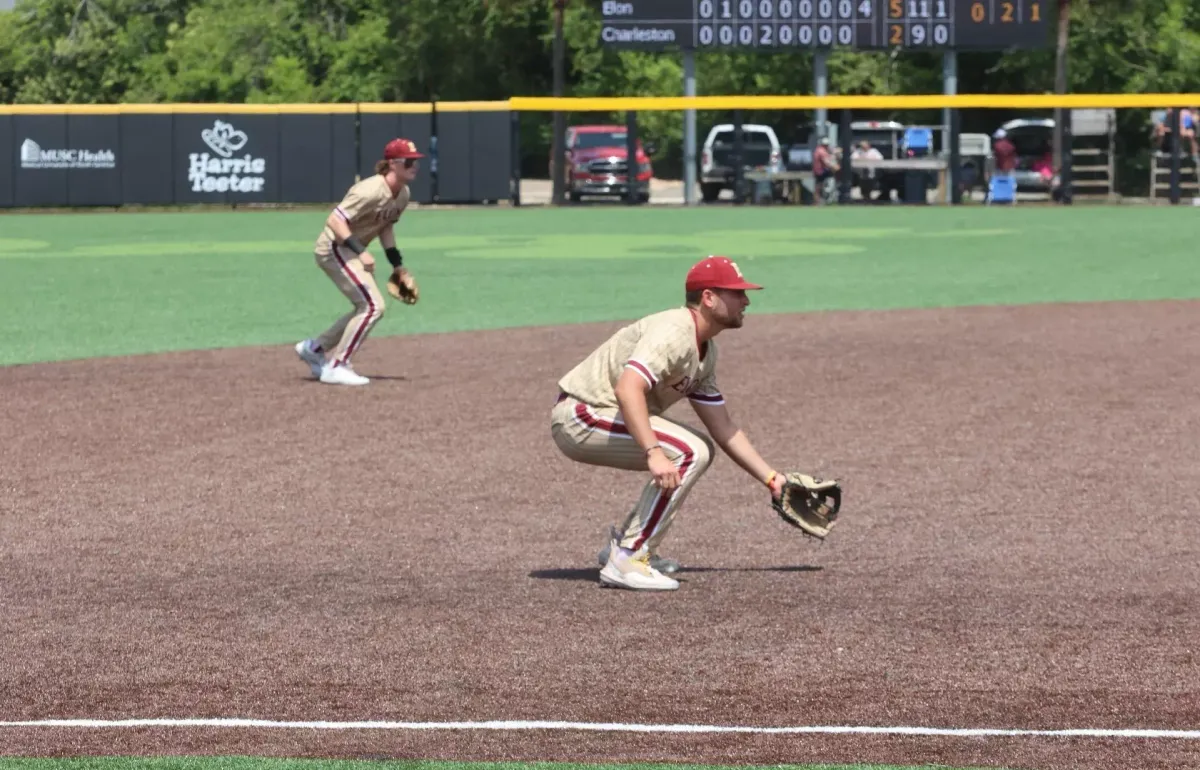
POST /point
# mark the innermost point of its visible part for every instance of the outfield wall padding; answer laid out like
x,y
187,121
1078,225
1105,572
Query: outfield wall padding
x,y
474,156
7,183
344,157
128,157
95,179
454,168
145,160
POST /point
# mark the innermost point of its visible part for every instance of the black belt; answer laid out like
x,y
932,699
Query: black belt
x,y
561,397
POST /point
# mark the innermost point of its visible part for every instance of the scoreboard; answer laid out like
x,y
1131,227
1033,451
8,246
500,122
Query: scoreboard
x,y
778,25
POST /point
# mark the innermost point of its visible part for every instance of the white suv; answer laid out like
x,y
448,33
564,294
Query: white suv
x,y
760,149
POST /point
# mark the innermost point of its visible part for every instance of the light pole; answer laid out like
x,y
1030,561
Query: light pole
x,y
560,127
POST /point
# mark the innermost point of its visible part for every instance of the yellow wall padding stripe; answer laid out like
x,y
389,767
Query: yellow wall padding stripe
x,y
641,104
405,107
192,108
913,102
497,106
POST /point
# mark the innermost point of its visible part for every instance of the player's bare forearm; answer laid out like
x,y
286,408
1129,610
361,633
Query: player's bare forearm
x,y
631,397
742,452
387,237
732,440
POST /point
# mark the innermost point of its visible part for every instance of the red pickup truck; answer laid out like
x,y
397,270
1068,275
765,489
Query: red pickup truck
x,y
596,156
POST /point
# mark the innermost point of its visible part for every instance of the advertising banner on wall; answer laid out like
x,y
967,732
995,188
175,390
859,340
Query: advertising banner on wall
x,y
226,158
35,156
52,160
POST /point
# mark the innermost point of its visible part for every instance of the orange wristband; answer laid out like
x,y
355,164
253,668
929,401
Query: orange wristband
x,y
771,478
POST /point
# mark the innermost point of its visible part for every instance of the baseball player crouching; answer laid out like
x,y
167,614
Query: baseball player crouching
x,y
369,210
609,412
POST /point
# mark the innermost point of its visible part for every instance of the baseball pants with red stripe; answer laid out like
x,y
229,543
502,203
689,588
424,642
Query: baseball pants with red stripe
x,y
598,436
342,340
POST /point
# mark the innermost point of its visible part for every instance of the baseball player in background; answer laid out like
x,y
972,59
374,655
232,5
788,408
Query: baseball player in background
x,y
369,210
609,412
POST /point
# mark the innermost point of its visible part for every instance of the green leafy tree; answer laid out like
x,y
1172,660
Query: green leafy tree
x,y
227,51
83,51
10,50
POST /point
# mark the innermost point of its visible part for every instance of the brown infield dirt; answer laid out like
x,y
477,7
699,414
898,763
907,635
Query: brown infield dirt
x,y
214,534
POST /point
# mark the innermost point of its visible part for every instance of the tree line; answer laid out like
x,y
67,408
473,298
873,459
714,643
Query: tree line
x,y
281,51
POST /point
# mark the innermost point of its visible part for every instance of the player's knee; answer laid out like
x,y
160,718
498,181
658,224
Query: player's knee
x,y
703,451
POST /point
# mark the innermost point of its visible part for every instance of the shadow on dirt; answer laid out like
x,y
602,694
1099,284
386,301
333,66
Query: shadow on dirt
x,y
594,572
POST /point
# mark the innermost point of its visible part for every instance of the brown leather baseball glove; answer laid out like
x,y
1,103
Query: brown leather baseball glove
x,y
402,286
809,504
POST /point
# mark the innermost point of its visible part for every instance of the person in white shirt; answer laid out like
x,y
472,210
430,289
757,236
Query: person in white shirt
x,y
866,177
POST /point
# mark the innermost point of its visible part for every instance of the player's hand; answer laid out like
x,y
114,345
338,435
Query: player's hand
x,y
368,262
777,485
665,474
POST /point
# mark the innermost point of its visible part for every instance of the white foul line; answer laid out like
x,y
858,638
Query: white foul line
x,y
953,732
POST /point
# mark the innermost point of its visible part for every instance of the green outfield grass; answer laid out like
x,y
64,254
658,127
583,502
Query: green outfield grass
x,y
102,284
255,763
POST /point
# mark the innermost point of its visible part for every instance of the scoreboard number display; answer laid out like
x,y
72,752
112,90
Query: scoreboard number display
x,y
856,24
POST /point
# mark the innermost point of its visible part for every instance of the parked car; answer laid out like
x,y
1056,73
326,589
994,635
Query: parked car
x,y
1034,140
596,158
760,150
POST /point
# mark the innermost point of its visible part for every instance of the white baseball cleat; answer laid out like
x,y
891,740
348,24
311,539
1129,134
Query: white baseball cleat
x,y
341,374
660,563
315,361
633,571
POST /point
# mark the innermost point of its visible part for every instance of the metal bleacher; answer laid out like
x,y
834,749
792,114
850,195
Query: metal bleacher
x,y
1160,168
1093,154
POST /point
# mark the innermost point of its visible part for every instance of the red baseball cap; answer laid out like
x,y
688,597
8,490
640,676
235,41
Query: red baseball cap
x,y
401,148
717,273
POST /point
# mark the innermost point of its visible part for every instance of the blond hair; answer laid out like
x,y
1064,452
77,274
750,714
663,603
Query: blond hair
x,y
382,166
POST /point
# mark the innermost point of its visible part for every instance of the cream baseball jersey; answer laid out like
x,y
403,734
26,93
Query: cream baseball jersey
x,y
661,348
368,208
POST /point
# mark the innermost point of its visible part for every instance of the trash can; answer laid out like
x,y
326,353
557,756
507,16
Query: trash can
x,y
916,187
764,191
